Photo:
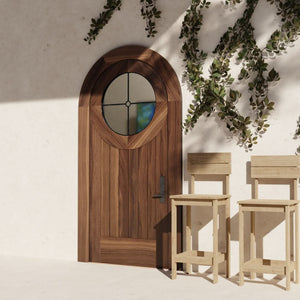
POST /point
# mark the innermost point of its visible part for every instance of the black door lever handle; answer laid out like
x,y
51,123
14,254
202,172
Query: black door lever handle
x,y
162,190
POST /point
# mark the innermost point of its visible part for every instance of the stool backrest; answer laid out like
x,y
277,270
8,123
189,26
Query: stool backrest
x,y
209,164
276,167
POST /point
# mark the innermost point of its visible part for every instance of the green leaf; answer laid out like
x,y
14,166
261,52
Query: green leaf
x,y
232,94
273,75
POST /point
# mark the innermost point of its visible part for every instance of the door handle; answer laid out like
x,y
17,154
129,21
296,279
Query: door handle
x,y
162,190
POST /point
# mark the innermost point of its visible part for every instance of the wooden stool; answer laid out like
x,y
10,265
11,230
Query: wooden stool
x,y
204,166
272,168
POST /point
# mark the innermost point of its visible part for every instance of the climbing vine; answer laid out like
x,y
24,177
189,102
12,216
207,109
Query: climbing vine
x,y
216,94
297,134
149,12
98,24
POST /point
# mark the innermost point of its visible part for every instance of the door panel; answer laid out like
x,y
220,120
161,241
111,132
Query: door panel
x,y
104,194
123,194
135,203
113,202
97,226
136,252
153,187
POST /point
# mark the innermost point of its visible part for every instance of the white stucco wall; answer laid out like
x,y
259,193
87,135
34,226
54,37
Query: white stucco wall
x,y
44,60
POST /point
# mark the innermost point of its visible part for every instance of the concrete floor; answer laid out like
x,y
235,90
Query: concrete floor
x,y
38,279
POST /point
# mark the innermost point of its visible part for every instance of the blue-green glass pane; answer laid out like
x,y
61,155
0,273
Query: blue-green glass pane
x,y
145,112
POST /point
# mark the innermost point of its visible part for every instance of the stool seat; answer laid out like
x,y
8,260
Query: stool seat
x,y
200,197
267,202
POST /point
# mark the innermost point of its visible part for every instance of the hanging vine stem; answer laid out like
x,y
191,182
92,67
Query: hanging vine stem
x,y
149,12
241,38
297,134
290,28
215,95
98,24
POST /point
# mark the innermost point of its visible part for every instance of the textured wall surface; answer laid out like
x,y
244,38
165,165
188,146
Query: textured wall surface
x,y
44,60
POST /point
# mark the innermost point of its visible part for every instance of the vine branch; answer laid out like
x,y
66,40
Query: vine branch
x,y
297,134
149,12
98,24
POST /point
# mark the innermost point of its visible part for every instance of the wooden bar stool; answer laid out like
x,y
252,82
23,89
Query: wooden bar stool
x,y
204,166
272,169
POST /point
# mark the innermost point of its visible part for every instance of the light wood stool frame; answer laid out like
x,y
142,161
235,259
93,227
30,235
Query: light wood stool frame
x,y
201,165
272,168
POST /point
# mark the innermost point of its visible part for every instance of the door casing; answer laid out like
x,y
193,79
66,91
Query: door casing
x,y
111,62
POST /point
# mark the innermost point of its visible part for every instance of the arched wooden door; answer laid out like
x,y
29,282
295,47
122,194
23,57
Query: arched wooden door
x,y
125,179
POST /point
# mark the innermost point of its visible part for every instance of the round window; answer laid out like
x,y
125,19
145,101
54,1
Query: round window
x,y
128,104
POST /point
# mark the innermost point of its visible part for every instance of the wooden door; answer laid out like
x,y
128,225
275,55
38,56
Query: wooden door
x,y
124,221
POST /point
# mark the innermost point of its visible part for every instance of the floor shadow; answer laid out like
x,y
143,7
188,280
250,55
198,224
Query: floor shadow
x,y
203,275
166,272
274,281
233,279
260,280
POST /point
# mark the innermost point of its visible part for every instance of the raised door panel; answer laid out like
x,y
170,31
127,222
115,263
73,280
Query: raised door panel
x,y
123,193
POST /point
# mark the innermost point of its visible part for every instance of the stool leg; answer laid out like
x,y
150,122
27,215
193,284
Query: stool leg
x,y
174,238
252,241
292,243
297,242
215,242
227,238
188,236
287,248
241,244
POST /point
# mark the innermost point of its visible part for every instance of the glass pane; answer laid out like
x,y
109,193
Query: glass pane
x,y
116,91
132,119
140,115
116,118
140,89
128,112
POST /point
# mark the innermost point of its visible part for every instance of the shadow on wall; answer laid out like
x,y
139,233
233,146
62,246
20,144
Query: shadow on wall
x,y
43,55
